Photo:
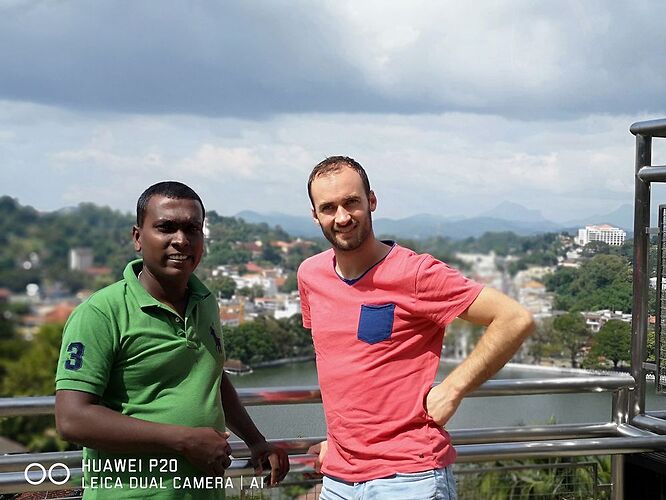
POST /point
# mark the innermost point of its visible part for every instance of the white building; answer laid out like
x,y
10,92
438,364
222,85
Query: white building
x,y
249,280
597,319
80,259
281,306
604,232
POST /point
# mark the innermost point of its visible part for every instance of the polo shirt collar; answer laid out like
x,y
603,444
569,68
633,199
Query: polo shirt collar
x,y
198,291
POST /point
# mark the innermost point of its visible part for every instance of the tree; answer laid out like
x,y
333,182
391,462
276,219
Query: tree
x,y
603,282
613,342
251,292
248,342
270,254
544,341
290,284
12,345
302,338
596,247
222,286
572,333
33,374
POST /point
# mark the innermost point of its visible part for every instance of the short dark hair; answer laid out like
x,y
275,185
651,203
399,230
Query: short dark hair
x,y
334,164
170,189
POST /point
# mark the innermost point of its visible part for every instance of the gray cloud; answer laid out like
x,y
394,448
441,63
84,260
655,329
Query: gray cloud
x,y
194,57
530,60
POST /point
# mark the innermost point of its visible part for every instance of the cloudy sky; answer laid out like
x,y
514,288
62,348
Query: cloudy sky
x,y
452,107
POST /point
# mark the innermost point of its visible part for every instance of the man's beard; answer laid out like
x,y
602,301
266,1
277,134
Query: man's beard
x,y
364,230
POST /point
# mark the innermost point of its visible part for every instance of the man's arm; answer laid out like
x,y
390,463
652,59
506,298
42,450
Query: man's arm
x,y
81,419
241,424
508,324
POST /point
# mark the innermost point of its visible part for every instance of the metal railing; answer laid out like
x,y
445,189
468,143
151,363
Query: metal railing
x,y
645,175
615,437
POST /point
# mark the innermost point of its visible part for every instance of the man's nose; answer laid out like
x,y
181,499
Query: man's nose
x,y
180,238
342,217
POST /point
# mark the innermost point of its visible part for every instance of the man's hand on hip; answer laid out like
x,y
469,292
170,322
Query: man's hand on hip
x,y
320,450
441,405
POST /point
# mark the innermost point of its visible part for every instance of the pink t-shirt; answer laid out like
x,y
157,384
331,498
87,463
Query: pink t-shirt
x,y
378,341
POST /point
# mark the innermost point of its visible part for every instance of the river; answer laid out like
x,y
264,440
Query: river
x,y
292,421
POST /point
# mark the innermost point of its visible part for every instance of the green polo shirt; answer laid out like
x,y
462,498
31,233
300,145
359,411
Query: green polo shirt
x,y
145,361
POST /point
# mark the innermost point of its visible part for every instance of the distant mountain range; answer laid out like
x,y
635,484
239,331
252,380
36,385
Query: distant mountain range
x,y
506,216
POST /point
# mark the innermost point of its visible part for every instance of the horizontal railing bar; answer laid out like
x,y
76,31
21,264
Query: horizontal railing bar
x,y
44,405
565,385
25,406
262,396
656,413
655,173
650,423
652,128
559,448
626,430
15,462
19,461
15,482
532,433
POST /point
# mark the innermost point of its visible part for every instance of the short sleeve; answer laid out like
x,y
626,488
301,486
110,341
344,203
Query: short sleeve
x,y
305,305
87,352
442,293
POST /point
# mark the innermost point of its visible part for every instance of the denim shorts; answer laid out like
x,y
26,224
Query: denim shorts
x,y
437,484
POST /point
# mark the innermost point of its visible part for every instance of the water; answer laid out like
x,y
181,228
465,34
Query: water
x,y
293,421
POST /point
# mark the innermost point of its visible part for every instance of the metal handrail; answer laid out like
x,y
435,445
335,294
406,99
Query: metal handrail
x,y
489,435
45,405
649,128
559,448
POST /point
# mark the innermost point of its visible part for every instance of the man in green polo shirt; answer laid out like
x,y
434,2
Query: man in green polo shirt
x,y
140,382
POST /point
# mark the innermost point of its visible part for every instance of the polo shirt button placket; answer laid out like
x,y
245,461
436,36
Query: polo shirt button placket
x,y
188,332
180,331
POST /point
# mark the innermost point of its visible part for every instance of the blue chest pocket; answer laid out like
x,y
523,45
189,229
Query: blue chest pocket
x,y
375,323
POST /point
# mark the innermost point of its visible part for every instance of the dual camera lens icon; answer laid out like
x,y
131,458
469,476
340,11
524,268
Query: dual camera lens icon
x,y
53,473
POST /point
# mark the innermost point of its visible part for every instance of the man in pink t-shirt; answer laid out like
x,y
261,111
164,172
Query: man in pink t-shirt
x,y
377,312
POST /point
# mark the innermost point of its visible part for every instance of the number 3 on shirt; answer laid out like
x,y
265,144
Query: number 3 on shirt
x,y
75,360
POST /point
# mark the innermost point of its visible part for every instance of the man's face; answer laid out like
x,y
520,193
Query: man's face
x,y
170,238
342,208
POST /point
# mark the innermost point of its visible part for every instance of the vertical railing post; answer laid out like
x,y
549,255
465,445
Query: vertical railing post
x,y
617,477
619,410
639,315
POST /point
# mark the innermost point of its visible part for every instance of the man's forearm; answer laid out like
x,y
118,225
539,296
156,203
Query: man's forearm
x,y
500,342
236,416
81,419
93,425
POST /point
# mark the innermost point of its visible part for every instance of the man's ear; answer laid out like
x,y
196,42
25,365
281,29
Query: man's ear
x,y
372,200
136,238
314,217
